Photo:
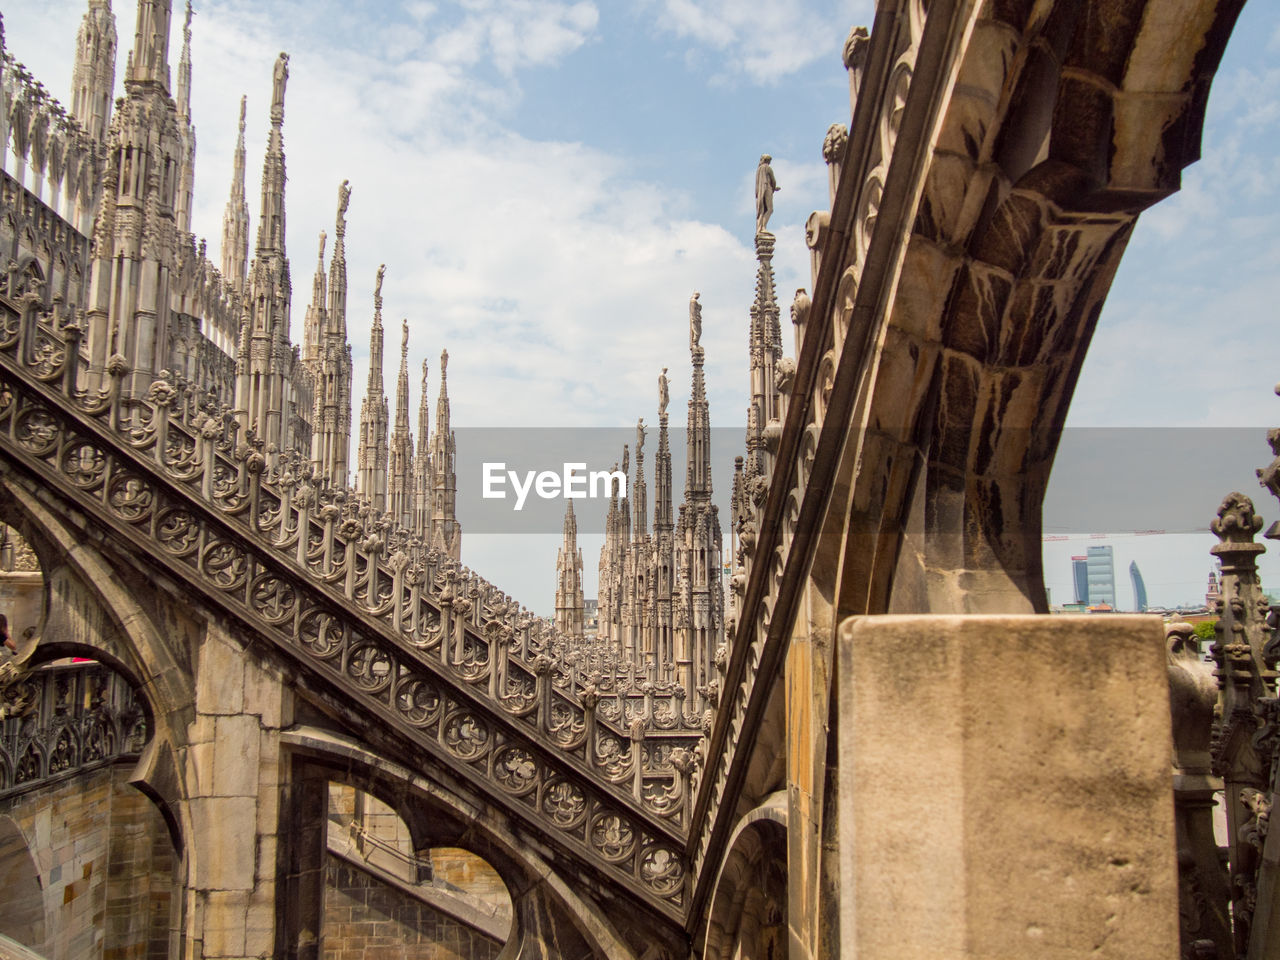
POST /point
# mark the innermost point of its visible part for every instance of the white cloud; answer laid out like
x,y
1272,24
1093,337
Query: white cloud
x,y
762,40
516,33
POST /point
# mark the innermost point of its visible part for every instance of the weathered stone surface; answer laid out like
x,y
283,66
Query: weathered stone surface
x,y
223,831
101,877
1004,790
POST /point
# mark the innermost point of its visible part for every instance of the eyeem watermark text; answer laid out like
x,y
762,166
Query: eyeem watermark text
x,y
573,483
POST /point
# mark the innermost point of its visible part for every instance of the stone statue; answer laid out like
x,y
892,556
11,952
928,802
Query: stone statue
x,y
639,439
664,396
377,289
344,198
323,237
280,77
695,321
766,187
444,363
626,458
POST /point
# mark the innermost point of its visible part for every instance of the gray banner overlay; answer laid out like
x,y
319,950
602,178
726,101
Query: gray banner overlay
x,y
1104,480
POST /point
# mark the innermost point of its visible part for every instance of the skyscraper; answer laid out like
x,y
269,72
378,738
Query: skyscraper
x,y
1102,575
1080,575
1139,588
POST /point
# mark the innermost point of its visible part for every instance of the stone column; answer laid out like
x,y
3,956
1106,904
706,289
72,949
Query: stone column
x,y
234,776
303,809
1004,788
808,682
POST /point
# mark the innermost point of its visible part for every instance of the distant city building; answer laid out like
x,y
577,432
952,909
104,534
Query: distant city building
x,y
1080,574
1100,564
1212,593
1139,588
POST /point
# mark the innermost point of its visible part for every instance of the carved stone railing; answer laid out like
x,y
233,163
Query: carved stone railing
x,y
62,720
407,641
40,132
802,452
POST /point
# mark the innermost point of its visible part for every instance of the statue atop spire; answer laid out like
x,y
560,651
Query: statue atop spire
x,y
183,93
695,321
400,478
338,268
344,198
279,78
323,237
373,450
664,396
444,531
235,218
766,187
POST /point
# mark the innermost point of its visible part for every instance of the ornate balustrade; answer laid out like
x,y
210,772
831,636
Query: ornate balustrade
x,y
40,132
61,720
436,655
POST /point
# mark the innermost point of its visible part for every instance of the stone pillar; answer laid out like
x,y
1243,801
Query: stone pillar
x,y
1203,887
1006,790
303,810
234,776
808,668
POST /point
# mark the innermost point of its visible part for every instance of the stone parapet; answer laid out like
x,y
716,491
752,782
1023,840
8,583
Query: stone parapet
x,y
1004,788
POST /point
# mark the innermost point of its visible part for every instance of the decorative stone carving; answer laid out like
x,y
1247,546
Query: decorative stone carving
x,y
766,187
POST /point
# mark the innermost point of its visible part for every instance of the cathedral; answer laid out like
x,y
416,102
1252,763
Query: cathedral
x,y
124,263
253,705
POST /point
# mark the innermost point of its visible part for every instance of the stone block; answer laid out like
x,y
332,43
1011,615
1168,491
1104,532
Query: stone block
x,y
235,757
220,674
224,842
264,694
1004,788
224,920
200,764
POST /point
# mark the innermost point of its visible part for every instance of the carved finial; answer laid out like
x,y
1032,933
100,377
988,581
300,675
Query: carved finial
x,y
855,48
243,101
834,143
800,307
1236,522
323,237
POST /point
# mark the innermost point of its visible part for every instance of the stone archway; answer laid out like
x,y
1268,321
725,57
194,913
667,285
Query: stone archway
x,y
1028,161
22,905
748,915
551,918
379,881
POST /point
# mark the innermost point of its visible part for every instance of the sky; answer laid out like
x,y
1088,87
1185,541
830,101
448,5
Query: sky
x,y
547,182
